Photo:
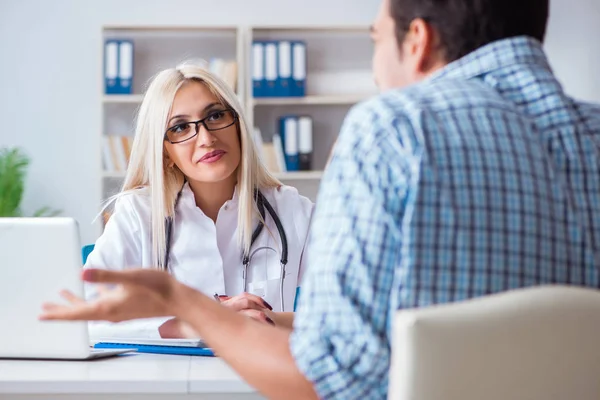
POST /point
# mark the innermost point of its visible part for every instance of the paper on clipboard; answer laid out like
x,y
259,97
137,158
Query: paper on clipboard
x,y
153,342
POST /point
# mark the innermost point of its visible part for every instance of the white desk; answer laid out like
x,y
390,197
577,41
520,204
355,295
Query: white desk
x,y
135,376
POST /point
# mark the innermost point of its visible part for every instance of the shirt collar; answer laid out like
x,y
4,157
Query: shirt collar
x,y
498,55
187,196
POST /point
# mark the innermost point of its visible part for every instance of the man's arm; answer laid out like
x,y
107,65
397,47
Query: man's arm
x,y
257,351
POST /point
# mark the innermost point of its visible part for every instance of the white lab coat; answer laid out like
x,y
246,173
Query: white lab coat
x,y
204,255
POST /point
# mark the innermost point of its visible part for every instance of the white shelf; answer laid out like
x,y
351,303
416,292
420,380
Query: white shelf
x,y
363,29
341,99
171,28
301,175
122,98
113,174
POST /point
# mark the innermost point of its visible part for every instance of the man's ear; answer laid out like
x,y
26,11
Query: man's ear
x,y
422,42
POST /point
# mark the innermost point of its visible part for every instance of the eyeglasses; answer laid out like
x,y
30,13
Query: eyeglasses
x,y
215,121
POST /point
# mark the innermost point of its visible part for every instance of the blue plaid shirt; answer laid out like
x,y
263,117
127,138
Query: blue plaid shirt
x,y
483,178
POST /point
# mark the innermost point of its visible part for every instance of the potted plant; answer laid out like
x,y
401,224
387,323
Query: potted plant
x,y
13,169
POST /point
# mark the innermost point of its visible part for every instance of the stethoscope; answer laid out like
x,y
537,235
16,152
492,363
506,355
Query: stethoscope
x,y
261,203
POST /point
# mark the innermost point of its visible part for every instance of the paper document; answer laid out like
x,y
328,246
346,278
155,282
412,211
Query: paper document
x,y
154,342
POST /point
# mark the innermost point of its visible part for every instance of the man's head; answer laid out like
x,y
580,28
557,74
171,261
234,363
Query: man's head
x,y
413,38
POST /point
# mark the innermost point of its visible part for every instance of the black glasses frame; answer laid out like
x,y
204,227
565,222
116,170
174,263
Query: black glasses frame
x,y
197,125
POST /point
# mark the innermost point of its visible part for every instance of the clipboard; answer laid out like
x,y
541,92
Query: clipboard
x,y
158,349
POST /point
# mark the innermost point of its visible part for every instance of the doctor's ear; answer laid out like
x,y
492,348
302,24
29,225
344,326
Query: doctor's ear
x,y
167,161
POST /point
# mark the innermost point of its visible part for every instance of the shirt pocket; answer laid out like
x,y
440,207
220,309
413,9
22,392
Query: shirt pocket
x,y
264,275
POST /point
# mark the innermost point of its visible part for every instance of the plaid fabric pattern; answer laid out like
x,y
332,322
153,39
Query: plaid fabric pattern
x,y
483,178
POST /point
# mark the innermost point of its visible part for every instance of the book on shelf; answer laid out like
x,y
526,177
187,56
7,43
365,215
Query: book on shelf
x,y
224,69
272,159
258,141
267,153
116,151
278,153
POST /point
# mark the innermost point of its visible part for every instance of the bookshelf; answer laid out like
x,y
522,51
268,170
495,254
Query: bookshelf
x,y
336,80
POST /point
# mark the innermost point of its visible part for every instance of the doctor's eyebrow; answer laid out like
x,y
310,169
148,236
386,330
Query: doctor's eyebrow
x,y
204,111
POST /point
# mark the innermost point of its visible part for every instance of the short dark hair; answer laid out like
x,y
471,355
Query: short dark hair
x,y
466,25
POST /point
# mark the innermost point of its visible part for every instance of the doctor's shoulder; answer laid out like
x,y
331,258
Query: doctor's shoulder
x,y
291,203
133,205
121,243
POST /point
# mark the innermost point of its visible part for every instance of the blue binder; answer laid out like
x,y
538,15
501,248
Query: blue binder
x,y
283,87
305,143
288,129
111,67
143,348
258,69
270,69
298,69
125,67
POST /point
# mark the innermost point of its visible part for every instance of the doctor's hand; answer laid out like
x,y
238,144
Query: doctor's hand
x,y
139,293
248,304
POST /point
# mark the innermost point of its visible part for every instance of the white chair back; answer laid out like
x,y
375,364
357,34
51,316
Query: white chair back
x,y
540,343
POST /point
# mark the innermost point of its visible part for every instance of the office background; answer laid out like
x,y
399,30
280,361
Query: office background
x,y
51,68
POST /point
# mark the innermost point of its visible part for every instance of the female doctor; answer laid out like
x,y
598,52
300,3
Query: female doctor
x,y
198,203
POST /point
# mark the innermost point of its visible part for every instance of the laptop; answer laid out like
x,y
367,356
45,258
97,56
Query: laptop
x,y
40,257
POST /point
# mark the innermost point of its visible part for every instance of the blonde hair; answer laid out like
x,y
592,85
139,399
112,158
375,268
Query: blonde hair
x,y
148,159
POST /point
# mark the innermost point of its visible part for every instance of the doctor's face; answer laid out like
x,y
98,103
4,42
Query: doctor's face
x,y
213,154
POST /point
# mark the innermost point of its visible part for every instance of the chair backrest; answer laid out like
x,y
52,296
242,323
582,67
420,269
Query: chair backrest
x,y
85,251
540,343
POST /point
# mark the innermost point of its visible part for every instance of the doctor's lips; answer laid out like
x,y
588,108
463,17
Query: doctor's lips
x,y
212,157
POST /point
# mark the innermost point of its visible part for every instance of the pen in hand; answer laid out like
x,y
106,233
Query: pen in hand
x,y
220,297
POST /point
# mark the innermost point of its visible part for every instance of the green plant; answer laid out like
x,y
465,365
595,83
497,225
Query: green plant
x,y
13,169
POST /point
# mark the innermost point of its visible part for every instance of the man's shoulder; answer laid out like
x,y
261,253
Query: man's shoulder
x,y
430,95
590,114
405,113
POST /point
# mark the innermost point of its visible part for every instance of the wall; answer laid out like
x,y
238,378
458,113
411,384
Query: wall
x,y
50,67
50,79
573,47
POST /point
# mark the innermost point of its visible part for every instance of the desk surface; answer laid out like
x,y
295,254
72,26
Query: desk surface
x,y
132,373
